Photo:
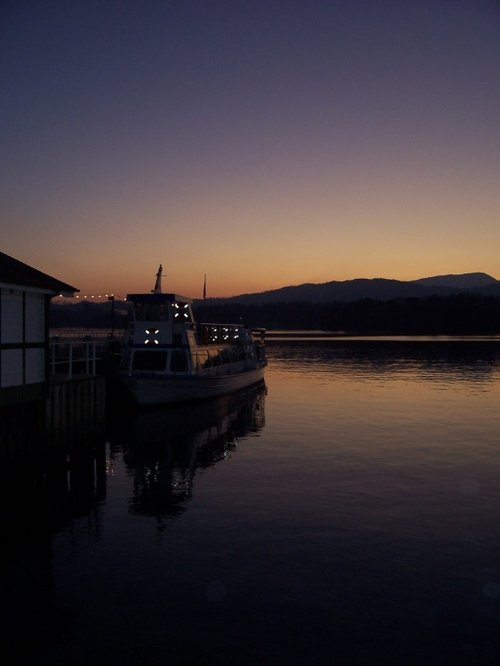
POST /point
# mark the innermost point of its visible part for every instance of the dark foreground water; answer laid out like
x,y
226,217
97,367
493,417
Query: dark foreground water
x,y
347,513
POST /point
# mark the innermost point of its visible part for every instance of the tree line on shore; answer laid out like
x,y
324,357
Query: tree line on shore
x,y
460,314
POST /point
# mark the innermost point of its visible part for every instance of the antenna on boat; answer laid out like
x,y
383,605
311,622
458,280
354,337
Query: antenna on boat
x,y
204,296
157,289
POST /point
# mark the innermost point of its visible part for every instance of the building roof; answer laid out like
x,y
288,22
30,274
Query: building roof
x,y
14,272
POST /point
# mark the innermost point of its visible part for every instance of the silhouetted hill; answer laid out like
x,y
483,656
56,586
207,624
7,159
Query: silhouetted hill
x,y
487,290
463,281
378,289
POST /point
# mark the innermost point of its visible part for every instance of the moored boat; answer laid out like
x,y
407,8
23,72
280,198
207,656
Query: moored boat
x,y
170,358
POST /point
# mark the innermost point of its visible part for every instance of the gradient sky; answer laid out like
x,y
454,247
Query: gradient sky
x,y
262,143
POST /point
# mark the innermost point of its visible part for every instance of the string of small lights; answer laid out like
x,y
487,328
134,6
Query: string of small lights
x,y
95,297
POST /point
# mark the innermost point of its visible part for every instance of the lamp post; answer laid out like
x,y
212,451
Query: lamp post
x,y
112,299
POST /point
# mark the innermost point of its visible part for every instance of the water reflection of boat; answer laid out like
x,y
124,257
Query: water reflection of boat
x,y
169,358
163,449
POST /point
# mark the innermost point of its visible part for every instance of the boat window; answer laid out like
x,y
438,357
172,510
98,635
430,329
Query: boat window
x,y
149,361
151,312
178,362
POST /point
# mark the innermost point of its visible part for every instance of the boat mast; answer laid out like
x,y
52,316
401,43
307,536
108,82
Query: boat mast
x,y
157,289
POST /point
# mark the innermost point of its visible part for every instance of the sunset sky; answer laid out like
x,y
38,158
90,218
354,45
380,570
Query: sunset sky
x,y
262,143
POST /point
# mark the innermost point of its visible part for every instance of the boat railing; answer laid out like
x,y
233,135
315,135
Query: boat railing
x,y
216,358
212,334
230,334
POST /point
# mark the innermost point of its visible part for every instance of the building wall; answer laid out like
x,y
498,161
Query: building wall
x,y
22,339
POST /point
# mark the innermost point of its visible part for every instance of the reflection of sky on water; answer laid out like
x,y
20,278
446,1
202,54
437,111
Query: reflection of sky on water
x,y
400,440
458,358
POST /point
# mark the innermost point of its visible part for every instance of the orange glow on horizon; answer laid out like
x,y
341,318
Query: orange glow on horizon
x,y
279,165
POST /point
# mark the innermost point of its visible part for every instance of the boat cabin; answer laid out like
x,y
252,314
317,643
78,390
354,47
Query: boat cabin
x,y
160,319
165,339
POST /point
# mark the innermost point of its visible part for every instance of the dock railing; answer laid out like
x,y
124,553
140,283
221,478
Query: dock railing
x,y
81,352
70,357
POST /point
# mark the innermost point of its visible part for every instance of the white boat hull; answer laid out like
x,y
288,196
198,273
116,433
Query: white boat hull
x,y
163,389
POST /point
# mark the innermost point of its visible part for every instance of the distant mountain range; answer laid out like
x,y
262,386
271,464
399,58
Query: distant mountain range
x,y
377,289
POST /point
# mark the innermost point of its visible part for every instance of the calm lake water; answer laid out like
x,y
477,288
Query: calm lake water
x,y
346,513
